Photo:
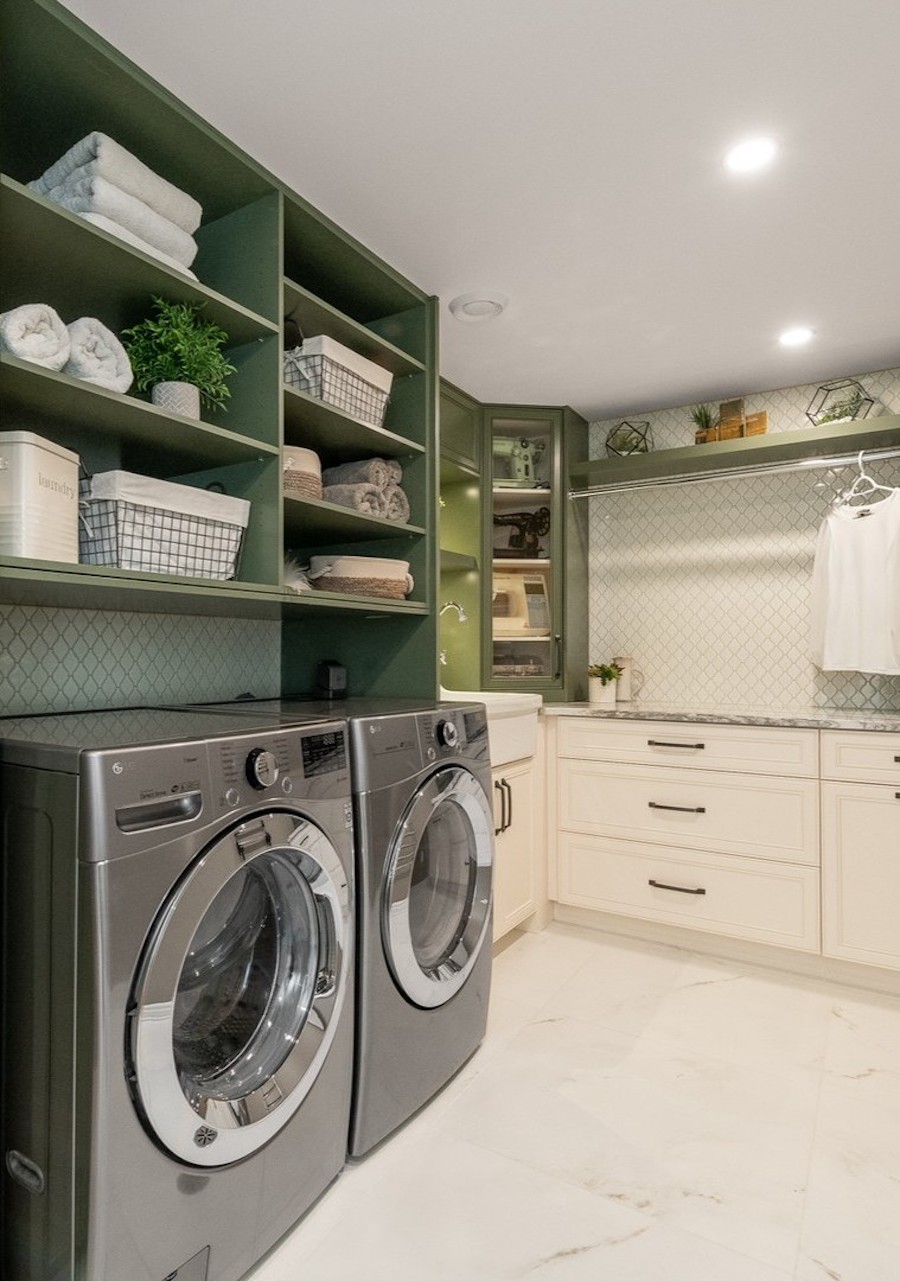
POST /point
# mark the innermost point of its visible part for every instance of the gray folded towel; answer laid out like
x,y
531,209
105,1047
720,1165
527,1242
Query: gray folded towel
x,y
98,155
396,504
368,471
97,356
367,499
35,332
83,194
395,471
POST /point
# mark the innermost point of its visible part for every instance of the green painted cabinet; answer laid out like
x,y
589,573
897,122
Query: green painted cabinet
x,y
264,254
534,586
460,520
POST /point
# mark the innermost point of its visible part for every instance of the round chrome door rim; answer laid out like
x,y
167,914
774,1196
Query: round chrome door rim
x,y
216,1132
435,986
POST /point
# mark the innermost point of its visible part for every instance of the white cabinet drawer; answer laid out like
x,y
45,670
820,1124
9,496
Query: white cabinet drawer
x,y
743,898
861,756
746,749
701,810
861,872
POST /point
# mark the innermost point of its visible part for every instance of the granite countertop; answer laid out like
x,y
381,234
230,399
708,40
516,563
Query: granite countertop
x,y
810,718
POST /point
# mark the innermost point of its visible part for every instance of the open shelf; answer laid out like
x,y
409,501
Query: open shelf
x,y
521,562
83,271
723,456
340,603
314,424
317,317
146,437
317,523
457,560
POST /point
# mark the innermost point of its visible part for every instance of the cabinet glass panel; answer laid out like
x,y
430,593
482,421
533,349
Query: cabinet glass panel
x,y
523,525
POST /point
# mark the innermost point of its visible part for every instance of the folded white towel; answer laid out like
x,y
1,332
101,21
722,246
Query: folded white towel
x,y
361,497
98,155
97,356
35,332
395,471
96,195
107,224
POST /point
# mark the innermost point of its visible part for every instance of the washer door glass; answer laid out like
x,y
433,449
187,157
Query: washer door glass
x,y
437,901
238,994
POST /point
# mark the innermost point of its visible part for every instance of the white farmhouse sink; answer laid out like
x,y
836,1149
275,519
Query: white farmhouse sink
x,y
512,720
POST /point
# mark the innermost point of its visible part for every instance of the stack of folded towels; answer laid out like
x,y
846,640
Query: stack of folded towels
x,y
109,187
372,486
86,349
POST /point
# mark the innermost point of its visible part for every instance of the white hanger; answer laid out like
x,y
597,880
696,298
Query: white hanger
x,y
863,486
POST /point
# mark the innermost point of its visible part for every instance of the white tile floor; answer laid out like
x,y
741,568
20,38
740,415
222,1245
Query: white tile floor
x,y
636,1113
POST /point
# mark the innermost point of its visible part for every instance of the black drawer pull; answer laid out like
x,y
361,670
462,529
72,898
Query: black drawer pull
x,y
679,889
682,809
897,760
692,747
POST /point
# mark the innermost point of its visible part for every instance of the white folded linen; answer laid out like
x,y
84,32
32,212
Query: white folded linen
x,y
98,155
107,224
35,332
97,356
396,504
97,195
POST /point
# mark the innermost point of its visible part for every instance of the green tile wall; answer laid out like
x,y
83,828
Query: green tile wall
x,y
54,660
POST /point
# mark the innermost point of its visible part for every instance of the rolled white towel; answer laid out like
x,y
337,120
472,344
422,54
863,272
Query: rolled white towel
x,y
98,155
35,332
97,195
98,356
107,224
361,497
394,470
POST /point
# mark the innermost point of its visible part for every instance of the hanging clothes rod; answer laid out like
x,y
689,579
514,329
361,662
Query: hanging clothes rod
x,y
731,473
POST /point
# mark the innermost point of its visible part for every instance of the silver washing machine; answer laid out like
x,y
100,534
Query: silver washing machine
x,y
425,838
177,989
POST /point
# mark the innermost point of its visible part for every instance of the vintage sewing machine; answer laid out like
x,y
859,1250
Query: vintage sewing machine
x,y
528,528
514,461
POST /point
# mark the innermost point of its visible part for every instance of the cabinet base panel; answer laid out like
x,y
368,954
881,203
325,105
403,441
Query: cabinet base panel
x,y
799,964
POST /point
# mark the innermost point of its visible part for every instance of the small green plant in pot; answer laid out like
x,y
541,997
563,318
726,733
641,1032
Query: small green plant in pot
x,y
705,420
602,679
176,347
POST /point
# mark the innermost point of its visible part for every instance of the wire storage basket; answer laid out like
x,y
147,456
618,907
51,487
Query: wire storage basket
x,y
158,527
331,372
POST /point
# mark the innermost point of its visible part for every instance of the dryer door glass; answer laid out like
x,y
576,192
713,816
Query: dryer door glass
x,y
238,994
438,889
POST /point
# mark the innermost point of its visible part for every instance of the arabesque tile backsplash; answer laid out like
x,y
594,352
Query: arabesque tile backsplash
x,y
708,585
55,660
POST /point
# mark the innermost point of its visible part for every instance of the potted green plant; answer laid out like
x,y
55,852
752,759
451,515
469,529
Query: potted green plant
x,y
602,679
704,419
179,357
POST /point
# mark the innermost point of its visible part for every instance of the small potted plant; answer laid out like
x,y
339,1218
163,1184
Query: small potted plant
x,y
704,419
179,358
602,679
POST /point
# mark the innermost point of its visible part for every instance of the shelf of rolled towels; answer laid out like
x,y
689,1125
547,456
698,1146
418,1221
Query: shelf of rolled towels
x,y
85,349
369,486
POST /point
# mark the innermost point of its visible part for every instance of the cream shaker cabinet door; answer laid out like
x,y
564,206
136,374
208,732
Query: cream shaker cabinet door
x,y
696,809
861,872
514,850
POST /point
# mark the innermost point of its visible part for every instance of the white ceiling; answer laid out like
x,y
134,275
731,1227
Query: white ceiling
x,y
568,154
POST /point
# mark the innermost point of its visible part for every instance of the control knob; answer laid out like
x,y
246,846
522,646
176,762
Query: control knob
x,y
447,734
262,768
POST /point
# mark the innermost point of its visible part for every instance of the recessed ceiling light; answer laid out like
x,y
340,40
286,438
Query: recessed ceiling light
x,y
796,336
750,155
483,306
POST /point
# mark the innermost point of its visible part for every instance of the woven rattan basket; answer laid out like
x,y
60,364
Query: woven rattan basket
x,y
361,576
302,475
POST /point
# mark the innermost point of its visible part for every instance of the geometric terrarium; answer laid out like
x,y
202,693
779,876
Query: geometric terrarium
x,y
629,438
839,402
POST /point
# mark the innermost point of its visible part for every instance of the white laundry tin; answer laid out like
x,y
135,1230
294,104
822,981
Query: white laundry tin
x,y
38,498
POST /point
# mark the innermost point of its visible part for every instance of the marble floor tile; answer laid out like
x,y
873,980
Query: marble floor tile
x,y
851,1222
636,1113
703,1144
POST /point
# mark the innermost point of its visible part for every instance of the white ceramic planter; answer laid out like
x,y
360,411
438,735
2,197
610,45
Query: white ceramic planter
x,y
599,694
177,398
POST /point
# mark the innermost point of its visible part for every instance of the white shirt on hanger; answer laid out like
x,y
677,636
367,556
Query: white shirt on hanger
x,y
856,589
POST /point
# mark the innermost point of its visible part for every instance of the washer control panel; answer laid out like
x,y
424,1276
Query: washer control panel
x,y
262,769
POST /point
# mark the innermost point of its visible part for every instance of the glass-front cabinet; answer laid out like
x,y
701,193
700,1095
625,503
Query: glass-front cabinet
x,y
536,637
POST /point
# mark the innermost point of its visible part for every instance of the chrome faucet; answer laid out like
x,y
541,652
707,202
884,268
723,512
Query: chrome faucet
x,y
452,604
